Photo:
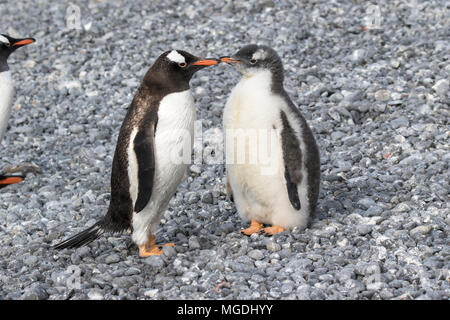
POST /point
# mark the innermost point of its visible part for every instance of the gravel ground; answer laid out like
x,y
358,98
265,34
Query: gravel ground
x,y
373,82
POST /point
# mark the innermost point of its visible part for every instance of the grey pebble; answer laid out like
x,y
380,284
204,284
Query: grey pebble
x,y
113,258
154,261
256,254
273,246
420,230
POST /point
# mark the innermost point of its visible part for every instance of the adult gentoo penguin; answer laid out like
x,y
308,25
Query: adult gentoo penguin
x,y
146,169
7,46
282,192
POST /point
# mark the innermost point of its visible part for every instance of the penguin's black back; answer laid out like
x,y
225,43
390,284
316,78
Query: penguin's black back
x,y
311,158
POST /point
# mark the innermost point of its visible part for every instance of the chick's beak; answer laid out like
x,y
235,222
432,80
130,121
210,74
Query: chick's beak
x,y
23,42
206,62
228,60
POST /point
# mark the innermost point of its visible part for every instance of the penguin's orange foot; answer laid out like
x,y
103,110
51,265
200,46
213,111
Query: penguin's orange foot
x,y
146,252
255,227
273,230
152,249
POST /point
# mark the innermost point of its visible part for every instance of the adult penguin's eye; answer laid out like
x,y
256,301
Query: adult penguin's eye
x,y
252,61
182,64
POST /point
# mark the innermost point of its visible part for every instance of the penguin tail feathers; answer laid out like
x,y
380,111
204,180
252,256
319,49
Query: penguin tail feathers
x,y
83,237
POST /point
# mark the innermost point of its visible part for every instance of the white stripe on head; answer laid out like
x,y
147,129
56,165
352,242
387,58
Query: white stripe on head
x,y
176,57
260,54
4,39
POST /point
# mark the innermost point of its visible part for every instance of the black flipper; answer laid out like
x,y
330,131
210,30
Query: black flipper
x,y
144,149
83,237
292,156
292,190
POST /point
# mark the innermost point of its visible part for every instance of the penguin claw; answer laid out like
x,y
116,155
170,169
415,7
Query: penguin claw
x,y
152,249
147,252
273,230
255,227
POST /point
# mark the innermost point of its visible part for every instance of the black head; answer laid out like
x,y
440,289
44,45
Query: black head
x,y
253,58
174,69
8,45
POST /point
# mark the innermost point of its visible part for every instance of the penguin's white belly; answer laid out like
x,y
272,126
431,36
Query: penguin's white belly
x,y
173,147
6,96
259,189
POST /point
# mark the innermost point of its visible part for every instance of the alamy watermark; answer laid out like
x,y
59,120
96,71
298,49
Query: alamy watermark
x,y
249,146
73,17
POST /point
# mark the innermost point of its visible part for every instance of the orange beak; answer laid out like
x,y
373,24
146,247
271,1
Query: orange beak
x,y
23,42
228,60
10,180
206,62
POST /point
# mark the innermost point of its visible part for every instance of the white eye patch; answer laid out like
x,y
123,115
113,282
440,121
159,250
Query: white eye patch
x,y
4,39
260,54
176,57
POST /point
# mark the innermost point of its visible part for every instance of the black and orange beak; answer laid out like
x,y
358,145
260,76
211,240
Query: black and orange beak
x,y
22,42
206,62
7,180
228,60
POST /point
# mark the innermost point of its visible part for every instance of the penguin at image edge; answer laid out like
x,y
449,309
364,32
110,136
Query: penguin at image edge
x,y
7,46
159,123
286,197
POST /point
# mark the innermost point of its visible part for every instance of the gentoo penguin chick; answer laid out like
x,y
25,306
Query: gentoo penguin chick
x,y
282,187
152,153
7,46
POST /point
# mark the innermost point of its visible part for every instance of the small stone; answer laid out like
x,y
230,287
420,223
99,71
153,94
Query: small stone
x,y
395,64
195,170
192,197
382,95
154,261
256,254
375,286
374,211
366,203
208,198
194,243
287,288
30,64
399,122
30,261
151,293
441,87
386,294
273,246
35,293
337,135
188,277
364,229
169,251
420,230
358,56
275,293
95,294
113,258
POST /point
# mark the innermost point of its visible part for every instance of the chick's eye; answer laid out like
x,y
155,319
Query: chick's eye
x,y
252,61
182,64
